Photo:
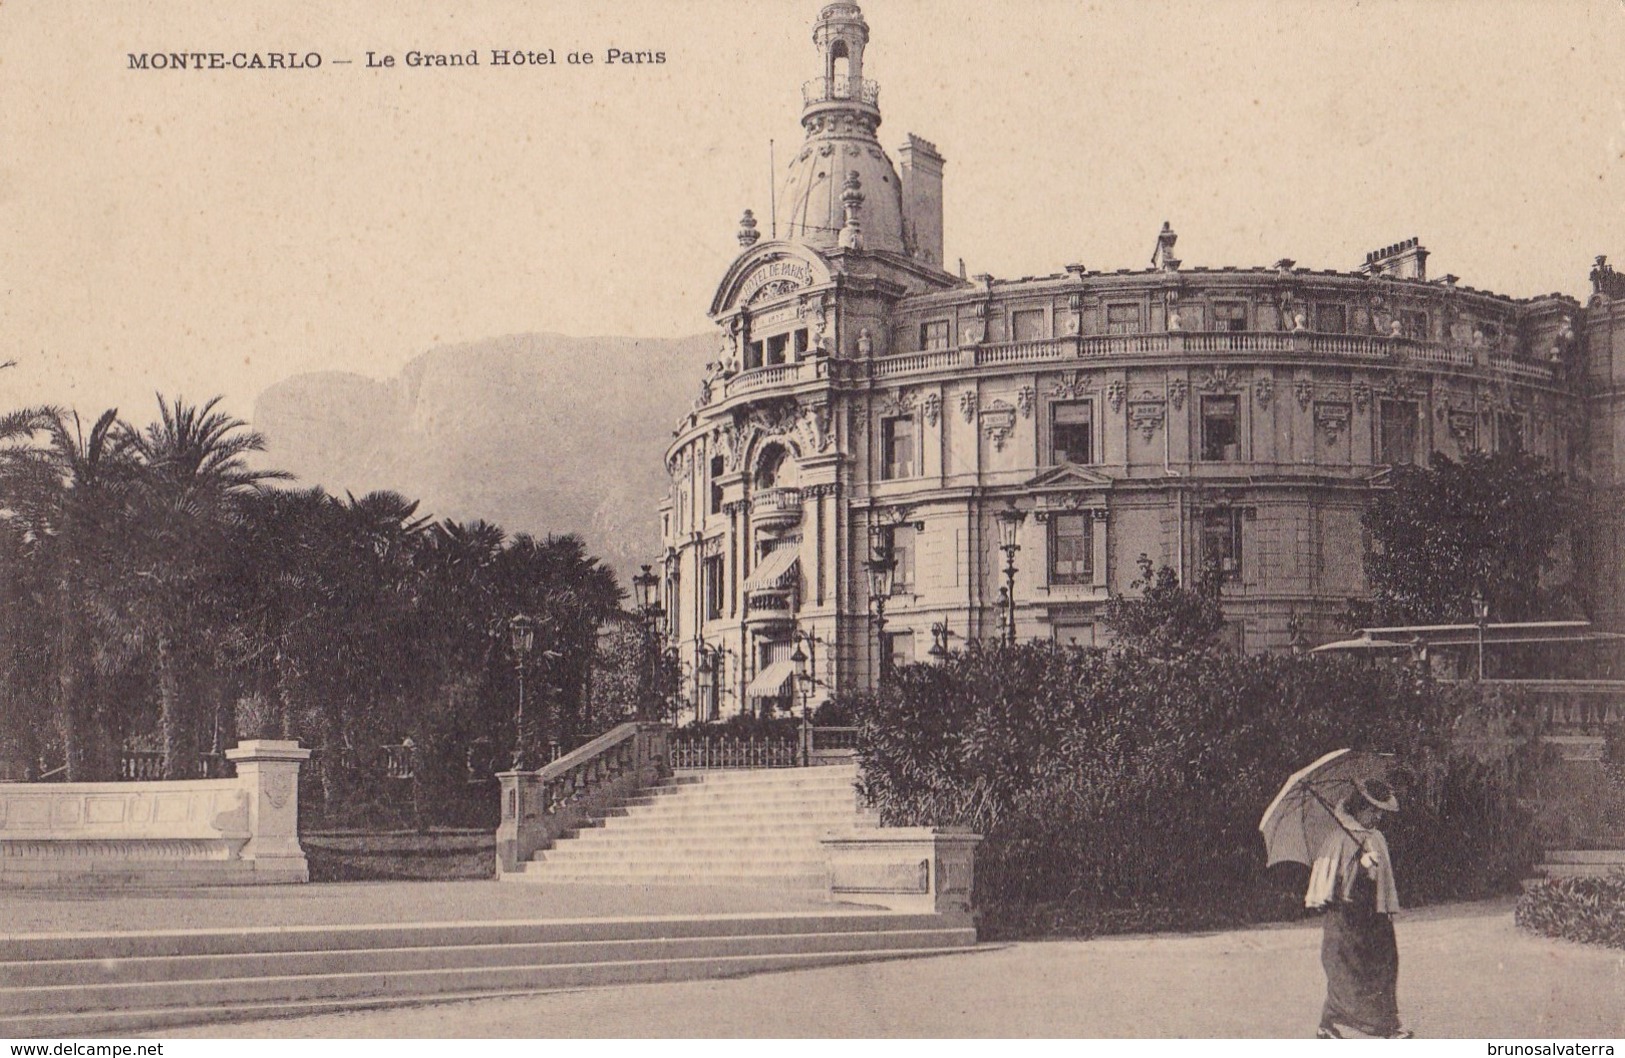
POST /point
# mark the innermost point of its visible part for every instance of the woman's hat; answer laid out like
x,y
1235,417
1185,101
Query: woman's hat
x,y
1378,793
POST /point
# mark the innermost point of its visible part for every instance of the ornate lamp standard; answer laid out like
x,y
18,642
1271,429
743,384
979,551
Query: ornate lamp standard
x,y
880,568
1009,519
522,636
804,687
939,641
1481,615
647,585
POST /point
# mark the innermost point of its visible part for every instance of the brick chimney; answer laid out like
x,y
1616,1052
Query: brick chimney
x,y
921,171
1402,260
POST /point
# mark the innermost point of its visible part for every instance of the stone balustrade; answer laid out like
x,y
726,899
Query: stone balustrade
x,y
235,831
539,807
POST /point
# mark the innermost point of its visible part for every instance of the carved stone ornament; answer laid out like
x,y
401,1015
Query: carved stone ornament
x,y
1177,389
1263,391
1220,381
1332,418
1305,391
858,420
897,405
998,422
1395,387
975,331
931,408
1070,386
1115,391
1147,415
812,430
1024,401
279,790
1362,396
967,405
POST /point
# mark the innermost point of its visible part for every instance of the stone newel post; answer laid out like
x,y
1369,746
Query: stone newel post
x,y
521,833
268,771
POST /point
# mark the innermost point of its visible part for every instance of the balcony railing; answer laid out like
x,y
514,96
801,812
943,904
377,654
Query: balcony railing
x,y
769,606
840,90
1202,343
775,509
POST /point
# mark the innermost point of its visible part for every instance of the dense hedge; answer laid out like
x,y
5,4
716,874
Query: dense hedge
x,y
1114,787
1584,909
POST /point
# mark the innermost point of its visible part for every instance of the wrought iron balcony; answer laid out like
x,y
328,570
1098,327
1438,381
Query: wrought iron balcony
x,y
840,90
770,607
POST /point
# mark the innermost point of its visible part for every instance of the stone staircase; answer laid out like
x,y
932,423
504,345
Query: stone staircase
x,y
754,828
67,985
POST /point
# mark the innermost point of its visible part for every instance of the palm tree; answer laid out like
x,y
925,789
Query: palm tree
x,y
64,491
186,511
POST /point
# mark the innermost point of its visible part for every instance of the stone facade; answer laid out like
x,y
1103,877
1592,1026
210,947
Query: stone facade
x,y
1237,416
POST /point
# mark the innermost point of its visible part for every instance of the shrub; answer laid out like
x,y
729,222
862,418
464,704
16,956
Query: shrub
x,y
1125,783
1591,910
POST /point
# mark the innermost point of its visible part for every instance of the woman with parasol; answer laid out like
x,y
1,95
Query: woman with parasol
x,y
1332,807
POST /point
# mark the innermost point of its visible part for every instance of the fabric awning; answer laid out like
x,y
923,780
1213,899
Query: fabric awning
x,y
769,683
776,567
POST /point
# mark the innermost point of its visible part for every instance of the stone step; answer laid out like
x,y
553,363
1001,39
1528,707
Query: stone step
x,y
753,776
71,984
671,859
769,815
123,1008
812,880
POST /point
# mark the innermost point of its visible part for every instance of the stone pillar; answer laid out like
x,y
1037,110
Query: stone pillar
x,y
268,770
520,834
920,869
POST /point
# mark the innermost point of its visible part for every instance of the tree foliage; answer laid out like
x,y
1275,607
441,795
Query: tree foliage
x,y
163,592
1107,781
1166,619
1494,524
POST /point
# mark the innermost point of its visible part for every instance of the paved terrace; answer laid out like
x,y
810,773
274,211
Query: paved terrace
x,y
1466,971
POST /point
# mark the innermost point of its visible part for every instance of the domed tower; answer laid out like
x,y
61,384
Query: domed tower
x,y
841,178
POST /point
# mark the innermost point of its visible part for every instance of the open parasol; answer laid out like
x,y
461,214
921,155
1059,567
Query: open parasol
x,y
1298,821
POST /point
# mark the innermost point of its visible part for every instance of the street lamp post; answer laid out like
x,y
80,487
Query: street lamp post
x,y
804,681
1481,615
939,641
647,584
522,636
1009,520
880,567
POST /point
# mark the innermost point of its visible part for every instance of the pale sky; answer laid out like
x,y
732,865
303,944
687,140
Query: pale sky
x,y
204,232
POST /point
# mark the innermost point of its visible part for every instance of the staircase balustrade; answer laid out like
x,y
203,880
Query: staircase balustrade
x,y
539,807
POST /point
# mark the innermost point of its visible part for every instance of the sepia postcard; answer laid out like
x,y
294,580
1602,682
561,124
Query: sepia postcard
x,y
753,353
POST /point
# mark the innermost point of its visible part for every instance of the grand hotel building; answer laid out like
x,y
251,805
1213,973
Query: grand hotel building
x,y
1238,417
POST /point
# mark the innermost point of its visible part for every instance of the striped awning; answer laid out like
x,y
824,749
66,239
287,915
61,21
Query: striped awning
x,y
775,569
769,683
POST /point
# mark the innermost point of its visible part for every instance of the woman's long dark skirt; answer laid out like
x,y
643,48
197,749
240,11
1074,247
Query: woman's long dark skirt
x,y
1362,968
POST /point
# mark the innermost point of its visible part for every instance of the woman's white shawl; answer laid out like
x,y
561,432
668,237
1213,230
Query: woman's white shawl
x,y
1342,856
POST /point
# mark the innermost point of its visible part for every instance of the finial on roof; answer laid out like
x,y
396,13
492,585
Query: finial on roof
x,y
747,230
852,199
1163,256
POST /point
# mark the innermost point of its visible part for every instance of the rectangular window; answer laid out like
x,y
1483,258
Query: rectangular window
x,y
934,335
801,343
1398,427
1230,316
776,346
1508,432
1122,319
1220,539
753,355
1027,325
711,574
1072,432
716,485
1492,332
1071,548
899,650
1221,429
1413,324
902,553
1075,633
1331,319
897,448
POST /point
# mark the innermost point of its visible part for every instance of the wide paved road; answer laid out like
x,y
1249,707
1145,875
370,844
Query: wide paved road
x,y
1466,971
